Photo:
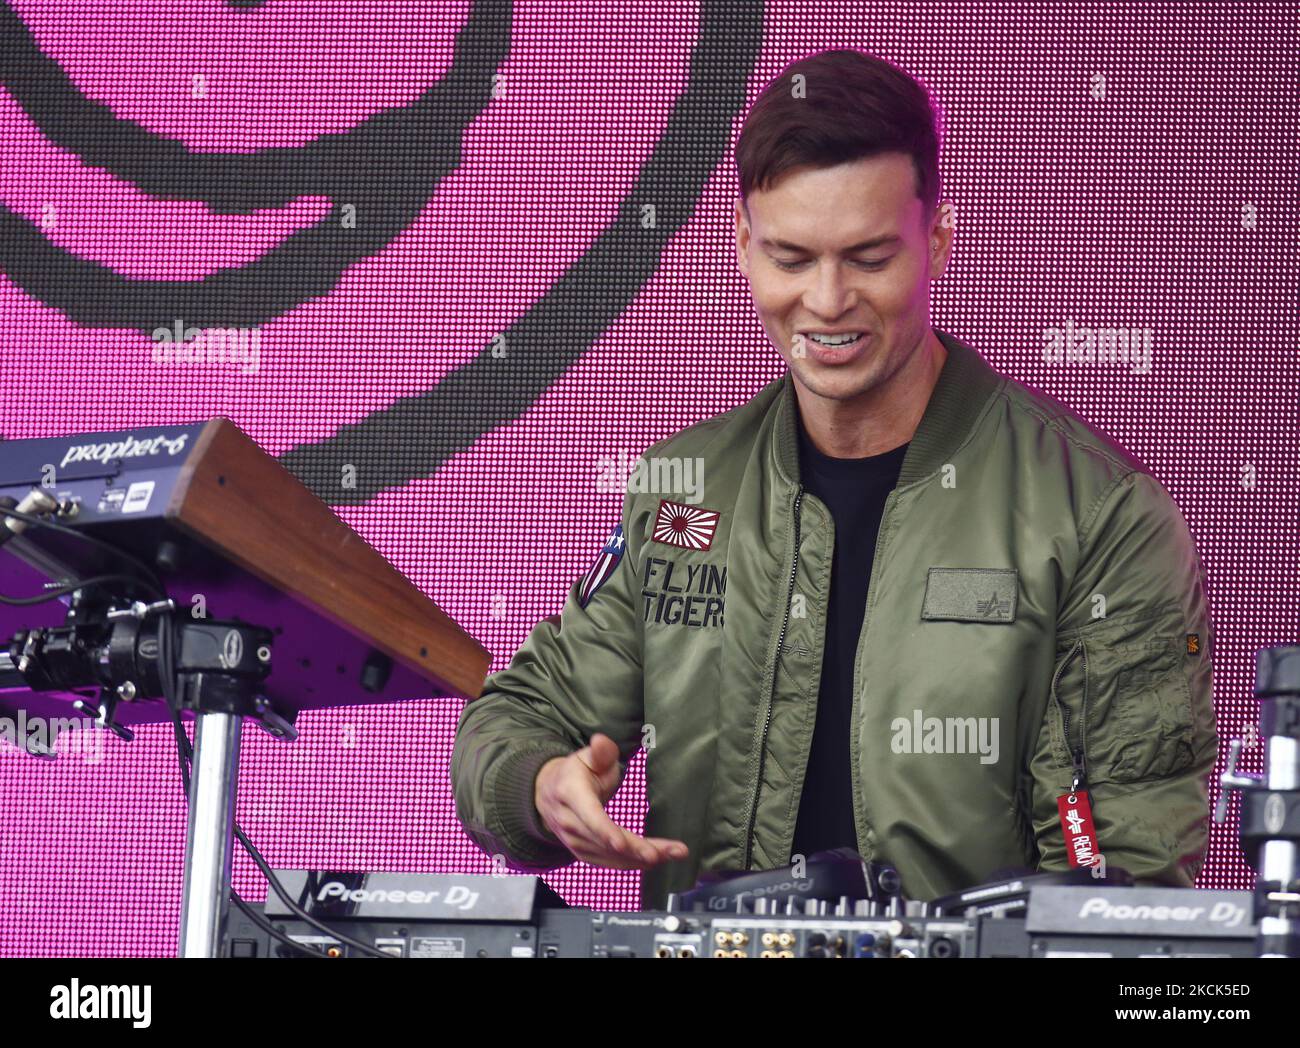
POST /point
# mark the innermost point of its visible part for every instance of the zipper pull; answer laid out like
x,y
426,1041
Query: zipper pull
x,y
1080,772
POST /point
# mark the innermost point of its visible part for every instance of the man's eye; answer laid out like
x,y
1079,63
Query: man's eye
x,y
863,263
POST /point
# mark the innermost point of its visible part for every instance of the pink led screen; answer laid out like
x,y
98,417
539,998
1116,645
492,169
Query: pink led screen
x,y
484,246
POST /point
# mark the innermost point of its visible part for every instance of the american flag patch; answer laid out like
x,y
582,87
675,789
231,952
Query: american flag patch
x,y
686,526
610,555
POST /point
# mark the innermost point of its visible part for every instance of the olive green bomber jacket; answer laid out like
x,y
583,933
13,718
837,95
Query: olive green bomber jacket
x,y
1030,577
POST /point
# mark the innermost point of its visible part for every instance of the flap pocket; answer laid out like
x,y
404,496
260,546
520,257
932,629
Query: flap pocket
x,y
1140,723
971,594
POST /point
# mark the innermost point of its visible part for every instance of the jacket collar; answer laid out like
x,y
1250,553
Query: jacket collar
x,y
960,393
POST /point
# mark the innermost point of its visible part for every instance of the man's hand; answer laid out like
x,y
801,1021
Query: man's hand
x,y
571,793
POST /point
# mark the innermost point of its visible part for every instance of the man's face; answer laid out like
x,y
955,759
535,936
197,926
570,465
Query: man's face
x,y
849,248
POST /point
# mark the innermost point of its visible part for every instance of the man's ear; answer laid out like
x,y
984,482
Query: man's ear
x,y
742,238
940,237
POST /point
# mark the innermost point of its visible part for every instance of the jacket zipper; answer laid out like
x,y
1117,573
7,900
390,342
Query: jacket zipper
x,y
771,699
1076,756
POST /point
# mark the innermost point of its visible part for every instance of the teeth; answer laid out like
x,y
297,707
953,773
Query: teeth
x,y
836,340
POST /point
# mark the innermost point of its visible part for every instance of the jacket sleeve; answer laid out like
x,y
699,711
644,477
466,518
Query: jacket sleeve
x,y
576,674
1136,685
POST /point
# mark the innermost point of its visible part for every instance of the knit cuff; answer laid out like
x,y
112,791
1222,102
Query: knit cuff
x,y
510,795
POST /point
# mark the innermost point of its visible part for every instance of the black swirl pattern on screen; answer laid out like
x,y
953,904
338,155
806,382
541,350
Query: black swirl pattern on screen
x,y
414,436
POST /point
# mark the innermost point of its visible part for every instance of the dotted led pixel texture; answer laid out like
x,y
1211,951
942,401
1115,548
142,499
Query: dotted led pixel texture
x,y
385,191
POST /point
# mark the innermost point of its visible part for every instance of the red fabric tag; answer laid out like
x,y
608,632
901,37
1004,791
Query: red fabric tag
x,y
1076,823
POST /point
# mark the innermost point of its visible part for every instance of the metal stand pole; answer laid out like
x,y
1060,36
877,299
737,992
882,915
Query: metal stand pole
x,y
209,836
1270,806
1278,927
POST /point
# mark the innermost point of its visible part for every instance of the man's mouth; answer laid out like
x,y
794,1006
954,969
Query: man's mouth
x,y
832,347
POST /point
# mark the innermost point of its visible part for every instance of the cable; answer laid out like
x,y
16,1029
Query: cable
x,y
166,675
151,577
59,591
272,930
184,752
181,748
297,910
167,678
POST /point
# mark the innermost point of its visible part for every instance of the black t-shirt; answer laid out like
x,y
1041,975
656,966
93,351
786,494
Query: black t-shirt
x,y
854,490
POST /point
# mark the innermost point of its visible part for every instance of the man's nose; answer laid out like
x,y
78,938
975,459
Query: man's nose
x,y
831,294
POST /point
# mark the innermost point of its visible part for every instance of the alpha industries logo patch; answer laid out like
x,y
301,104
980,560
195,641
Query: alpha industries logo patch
x,y
687,527
994,607
971,594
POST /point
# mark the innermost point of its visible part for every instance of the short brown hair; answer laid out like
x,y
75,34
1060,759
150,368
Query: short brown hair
x,y
856,106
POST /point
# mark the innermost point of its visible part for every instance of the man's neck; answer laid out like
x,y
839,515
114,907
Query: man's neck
x,y
882,418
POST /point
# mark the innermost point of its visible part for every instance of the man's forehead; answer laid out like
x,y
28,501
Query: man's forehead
x,y
851,203
860,225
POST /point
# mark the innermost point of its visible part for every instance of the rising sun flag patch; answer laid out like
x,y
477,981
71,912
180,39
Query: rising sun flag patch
x,y
687,527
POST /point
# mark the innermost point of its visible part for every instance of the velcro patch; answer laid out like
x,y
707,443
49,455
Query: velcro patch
x,y
688,527
611,554
971,594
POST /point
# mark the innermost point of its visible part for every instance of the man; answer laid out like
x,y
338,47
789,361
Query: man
x,y
918,609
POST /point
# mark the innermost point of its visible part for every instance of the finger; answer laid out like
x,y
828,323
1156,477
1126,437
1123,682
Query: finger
x,y
603,753
586,807
669,848
607,860
649,852
595,851
630,851
657,850
607,781
608,836
582,826
586,849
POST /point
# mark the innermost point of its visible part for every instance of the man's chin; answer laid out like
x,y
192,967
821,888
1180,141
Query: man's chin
x,y
833,383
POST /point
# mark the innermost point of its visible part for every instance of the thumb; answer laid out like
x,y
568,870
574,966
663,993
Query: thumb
x,y
600,757
602,754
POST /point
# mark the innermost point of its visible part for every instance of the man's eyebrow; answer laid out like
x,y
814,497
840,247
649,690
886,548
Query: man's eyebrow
x,y
866,245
